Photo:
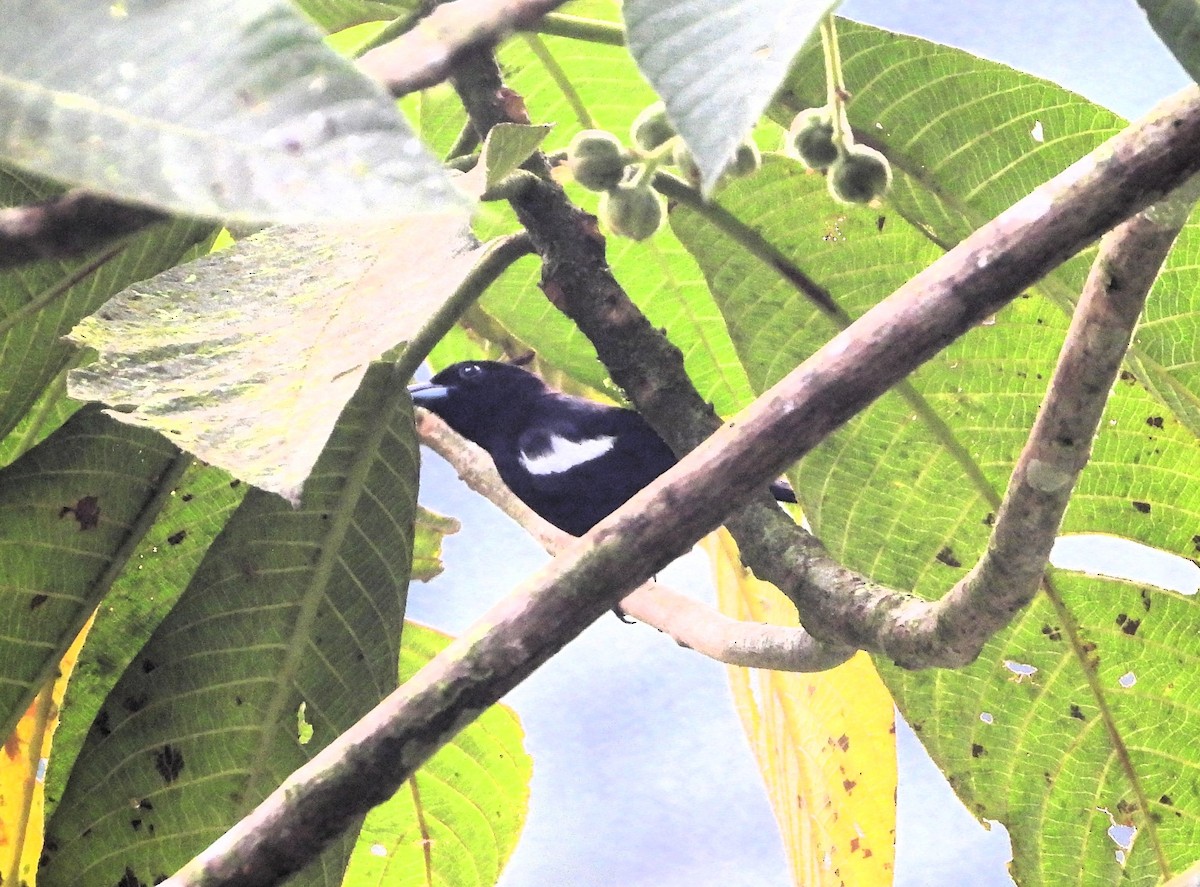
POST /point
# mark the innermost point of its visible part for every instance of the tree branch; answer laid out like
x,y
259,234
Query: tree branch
x,y
1010,572
686,621
426,55
64,227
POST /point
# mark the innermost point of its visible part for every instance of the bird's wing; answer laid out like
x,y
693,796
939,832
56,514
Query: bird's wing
x,y
572,441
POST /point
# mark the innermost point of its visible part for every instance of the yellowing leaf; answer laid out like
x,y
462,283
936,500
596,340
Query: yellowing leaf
x,y
825,743
22,778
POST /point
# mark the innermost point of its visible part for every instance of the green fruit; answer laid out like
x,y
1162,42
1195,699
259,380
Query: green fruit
x,y
811,138
682,158
859,176
746,161
597,160
633,211
651,128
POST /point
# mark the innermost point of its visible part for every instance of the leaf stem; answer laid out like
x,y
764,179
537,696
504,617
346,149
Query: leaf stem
x,y
835,84
561,80
499,255
591,30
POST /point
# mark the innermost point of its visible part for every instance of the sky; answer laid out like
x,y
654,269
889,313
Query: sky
x,y
642,775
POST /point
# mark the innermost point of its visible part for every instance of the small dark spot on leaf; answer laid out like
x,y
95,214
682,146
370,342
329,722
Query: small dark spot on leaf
x,y
136,823
1143,507
168,761
135,703
849,785
880,222
1130,626
37,600
86,511
1146,598
129,879
234,484
1066,441
1166,799
1196,541
1127,376
946,556
237,700
176,538
102,725
1040,321
1052,632
145,804
85,833
1077,713
989,519
977,750
148,666
843,742
1154,421
187,497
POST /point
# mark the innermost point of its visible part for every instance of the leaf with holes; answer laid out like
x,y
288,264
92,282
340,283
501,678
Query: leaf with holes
x,y
907,491
289,606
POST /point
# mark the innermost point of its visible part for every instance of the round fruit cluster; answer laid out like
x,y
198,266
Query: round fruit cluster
x,y
629,206
856,173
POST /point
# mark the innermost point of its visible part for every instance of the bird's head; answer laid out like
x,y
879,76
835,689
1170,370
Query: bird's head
x,y
478,397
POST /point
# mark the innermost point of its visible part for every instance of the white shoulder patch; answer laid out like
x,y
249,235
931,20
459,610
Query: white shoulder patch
x,y
562,454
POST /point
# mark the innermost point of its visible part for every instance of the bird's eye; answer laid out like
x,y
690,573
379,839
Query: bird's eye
x,y
470,371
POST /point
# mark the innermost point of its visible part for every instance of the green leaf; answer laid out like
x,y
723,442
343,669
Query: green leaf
x,y
431,528
252,378
158,571
507,146
40,302
456,821
1177,24
906,492
717,66
288,606
71,512
209,109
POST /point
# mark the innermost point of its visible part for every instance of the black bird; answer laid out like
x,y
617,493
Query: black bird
x,y
571,460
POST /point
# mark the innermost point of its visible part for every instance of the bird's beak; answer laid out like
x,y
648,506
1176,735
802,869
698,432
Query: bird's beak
x,y
427,393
